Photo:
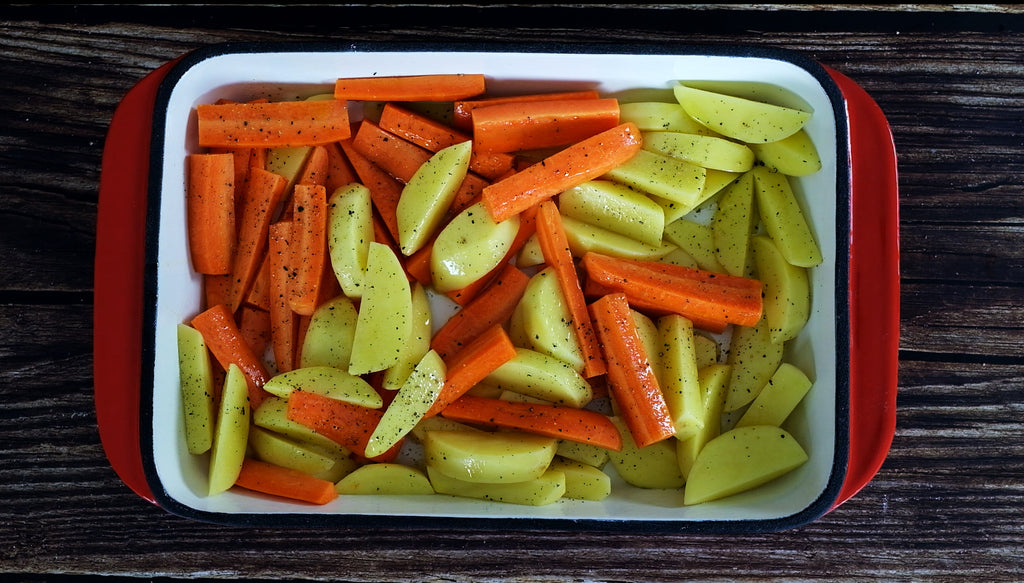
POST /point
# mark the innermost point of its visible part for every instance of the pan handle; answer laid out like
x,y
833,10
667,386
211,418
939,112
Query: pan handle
x,y
874,286
118,280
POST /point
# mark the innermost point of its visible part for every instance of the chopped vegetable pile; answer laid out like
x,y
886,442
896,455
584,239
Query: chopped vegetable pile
x,y
519,288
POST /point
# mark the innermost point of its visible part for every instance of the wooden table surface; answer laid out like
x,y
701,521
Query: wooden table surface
x,y
948,504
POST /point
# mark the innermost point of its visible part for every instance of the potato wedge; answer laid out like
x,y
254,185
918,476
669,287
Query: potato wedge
x,y
546,489
792,156
545,377
663,176
328,381
783,219
713,384
349,232
469,247
740,118
413,400
733,225
661,116
584,237
778,398
707,151
741,459
787,294
329,335
231,433
279,450
616,208
582,481
546,322
489,458
385,313
754,358
697,240
653,466
678,374
387,479
196,389
429,194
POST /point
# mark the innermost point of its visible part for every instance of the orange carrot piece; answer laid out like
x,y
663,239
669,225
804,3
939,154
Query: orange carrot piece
x,y
242,158
530,125
254,324
462,117
494,305
576,164
554,246
273,124
262,196
283,321
216,290
260,476
385,190
316,167
339,169
633,384
434,136
346,424
310,252
472,364
259,292
579,425
710,300
439,87
210,204
417,265
258,158
228,346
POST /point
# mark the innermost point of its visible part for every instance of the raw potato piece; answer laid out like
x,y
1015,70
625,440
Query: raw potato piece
x,y
385,313
733,224
742,459
542,376
659,116
706,151
272,415
783,220
787,295
754,358
713,383
541,491
661,175
546,323
328,381
413,400
419,341
582,481
697,240
231,433
469,247
329,335
489,458
385,479
739,118
792,156
429,194
196,389
350,230
616,208
778,398
584,237
678,374
653,466
281,451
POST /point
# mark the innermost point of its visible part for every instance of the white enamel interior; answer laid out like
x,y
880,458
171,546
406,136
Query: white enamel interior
x,y
291,75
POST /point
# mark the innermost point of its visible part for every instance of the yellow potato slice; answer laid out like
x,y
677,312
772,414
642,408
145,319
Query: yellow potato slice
x,y
546,322
663,176
469,247
653,466
546,489
385,313
536,374
616,208
793,156
196,374
660,116
582,481
272,415
328,381
783,219
733,224
740,118
697,240
741,459
413,400
387,479
281,451
754,358
584,237
677,374
231,432
787,295
713,382
419,340
428,195
349,232
329,335
706,151
489,458
778,398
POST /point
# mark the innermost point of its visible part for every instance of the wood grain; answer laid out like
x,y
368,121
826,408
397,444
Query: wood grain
x,y
947,505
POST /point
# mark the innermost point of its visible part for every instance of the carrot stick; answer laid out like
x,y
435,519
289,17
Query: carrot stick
x,y
273,124
228,346
242,157
555,247
462,117
310,252
472,364
576,164
283,321
385,190
579,425
709,300
254,324
259,292
633,384
440,87
348,425
435,136
339,169
417,265
216,290
210,203
260,476
493,305
316,167
529,125
262,196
